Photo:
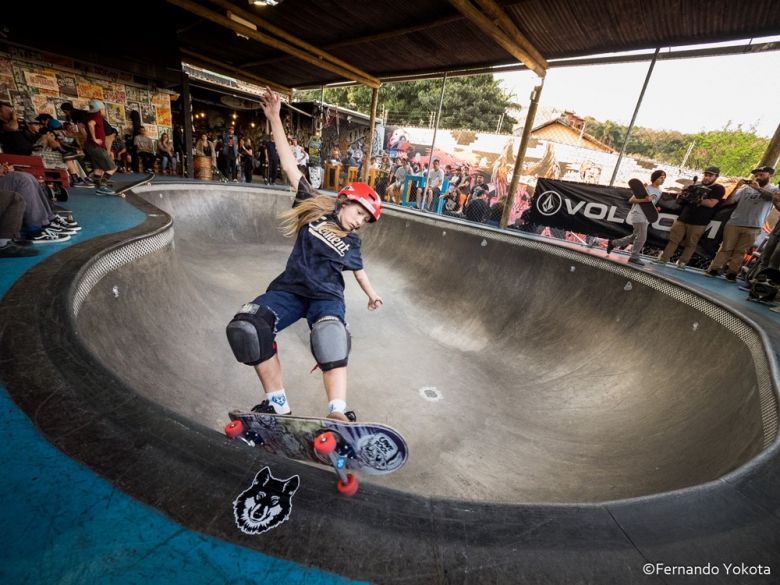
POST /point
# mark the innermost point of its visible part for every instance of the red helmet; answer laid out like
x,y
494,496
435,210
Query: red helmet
x,y
366,196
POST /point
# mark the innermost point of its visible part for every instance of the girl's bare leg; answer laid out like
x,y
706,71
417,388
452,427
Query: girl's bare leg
x,y
335,384
270,374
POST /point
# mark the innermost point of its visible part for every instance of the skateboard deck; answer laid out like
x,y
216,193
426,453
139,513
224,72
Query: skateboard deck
x,y
639,191
370,448
121,192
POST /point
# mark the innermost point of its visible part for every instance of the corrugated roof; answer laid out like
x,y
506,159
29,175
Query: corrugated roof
x,y
557,28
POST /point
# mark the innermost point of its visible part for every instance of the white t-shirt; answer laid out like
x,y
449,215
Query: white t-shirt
x,y
636,215
435,178
752,208
299,154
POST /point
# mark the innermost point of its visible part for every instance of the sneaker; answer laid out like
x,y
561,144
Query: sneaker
x,y
348,416
265,407
85,183
104,191
681,266
52,227
63,223
711,273
610,247
731,277
658,261
14,250
637,261
47,237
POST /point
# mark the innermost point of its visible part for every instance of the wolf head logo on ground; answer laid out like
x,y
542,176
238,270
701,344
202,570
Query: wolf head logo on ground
x,y
266,504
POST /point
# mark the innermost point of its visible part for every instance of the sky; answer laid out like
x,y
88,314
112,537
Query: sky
x,y
688,95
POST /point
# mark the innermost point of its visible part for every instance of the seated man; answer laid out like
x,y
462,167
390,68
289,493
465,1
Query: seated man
x,y
14,139
43,226
399,177
478,208
11,214
145,151
433,189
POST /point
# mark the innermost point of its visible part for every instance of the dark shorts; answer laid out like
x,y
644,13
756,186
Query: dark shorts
x,y
289,308
100,157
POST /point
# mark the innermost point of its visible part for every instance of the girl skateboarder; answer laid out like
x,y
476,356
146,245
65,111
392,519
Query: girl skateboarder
x,y
311,285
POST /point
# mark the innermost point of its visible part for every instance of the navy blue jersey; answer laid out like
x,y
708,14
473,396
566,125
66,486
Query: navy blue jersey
x,y
318,258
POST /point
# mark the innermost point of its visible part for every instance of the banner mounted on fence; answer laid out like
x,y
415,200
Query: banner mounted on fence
x,y
601,212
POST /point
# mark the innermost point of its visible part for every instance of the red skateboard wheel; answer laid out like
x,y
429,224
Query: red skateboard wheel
x,y
350,488
325,444
234,428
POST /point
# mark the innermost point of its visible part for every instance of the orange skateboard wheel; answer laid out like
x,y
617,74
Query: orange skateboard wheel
x,y
234,428
350,488
325,444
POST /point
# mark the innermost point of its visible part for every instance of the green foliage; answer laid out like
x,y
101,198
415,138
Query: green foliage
x,y
470,103
734,150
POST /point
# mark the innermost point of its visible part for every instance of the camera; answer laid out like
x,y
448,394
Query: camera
x,y
693,194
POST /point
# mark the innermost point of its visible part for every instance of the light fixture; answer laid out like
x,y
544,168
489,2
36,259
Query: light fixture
x,y
265,2
252,124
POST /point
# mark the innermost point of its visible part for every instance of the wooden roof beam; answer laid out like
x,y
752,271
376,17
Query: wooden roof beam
x,y
489,28
199,10
226,69
500,18
260,23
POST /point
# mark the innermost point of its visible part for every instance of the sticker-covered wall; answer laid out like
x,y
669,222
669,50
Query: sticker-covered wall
x,y
37,83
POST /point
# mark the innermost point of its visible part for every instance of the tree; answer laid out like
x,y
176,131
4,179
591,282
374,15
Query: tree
x,y
470,103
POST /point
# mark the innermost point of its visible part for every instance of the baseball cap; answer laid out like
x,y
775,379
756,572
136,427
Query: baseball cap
x,y
33,121
764,169
54,124
96,105
714,170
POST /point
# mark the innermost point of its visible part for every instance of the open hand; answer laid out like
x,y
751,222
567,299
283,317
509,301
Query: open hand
x,y
374,302
271,103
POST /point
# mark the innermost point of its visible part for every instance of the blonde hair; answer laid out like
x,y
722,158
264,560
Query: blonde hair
x,y
310,210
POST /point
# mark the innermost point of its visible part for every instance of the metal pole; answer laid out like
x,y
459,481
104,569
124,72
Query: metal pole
x,y
370,137
187,113
633,118
433,143
520,158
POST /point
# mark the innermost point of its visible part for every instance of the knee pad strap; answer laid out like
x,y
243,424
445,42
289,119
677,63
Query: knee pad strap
x,y
330,343
251,334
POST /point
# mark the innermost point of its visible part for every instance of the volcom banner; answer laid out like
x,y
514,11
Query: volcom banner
x,y
599,211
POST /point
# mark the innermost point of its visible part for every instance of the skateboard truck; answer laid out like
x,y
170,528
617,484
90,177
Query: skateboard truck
x,y
325,446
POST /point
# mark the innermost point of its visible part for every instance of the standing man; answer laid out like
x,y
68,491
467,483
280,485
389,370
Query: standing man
x,y
754,200
638,220
230,153
102,164
699,202
300,156
272,156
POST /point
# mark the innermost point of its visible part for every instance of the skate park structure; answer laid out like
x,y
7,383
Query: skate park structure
x,y
559,451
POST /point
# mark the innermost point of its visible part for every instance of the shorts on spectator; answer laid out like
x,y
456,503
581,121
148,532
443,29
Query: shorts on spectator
x,y
100,157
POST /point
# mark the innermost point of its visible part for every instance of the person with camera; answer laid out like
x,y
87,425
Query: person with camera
x,y
754,198
699,201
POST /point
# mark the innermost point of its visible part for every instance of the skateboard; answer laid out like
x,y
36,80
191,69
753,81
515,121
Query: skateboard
x,y
370,448
121,192
639,191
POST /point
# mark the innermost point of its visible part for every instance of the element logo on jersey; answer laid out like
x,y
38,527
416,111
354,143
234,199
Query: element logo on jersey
x,y
322,232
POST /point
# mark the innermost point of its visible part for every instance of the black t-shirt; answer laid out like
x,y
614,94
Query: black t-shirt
x,y
16,143
699,214
319,257
478,210
273,155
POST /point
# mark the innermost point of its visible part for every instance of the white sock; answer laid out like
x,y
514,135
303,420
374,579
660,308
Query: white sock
x,y
4,242
337,406
278,400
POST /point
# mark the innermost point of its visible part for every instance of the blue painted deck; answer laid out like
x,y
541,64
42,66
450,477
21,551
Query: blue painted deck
x,y
61,523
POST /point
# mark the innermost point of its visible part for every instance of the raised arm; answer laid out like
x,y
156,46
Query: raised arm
x,y
272,105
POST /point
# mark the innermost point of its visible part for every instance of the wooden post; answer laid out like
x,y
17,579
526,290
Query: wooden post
x,y
370,137
772,152
186,106
529,122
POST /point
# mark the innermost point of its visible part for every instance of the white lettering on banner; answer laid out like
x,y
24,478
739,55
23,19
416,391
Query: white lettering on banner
x,y
664,222
600,214
611,217
574,209
712,229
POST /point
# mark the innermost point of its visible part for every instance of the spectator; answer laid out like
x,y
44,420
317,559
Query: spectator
x,y
754,200
102,165
120,155
478,189
260,163
247,159
433,188
72,114
464,187
204,146
399,179
383,176
145,149
272,156
497,211
699,208
477,209
11,214
12,138
373,163
136,163
637,218
165,154
299,154
43,226
349,162
230,154
335,156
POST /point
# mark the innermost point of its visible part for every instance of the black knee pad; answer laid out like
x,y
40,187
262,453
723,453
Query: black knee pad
x,y
330,343
251,334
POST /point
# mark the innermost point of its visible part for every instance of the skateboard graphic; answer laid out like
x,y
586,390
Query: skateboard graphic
x,y
145,181
639,191
370,448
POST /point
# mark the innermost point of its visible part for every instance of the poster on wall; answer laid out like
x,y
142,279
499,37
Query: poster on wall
x,y
163,116
6,86
161,99
42,105
136,94
151,131
5,67
118,94
116,114
67,85
148,114
88,91
45,81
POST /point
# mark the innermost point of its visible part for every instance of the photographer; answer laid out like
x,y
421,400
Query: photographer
x,y
754,200
699,201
